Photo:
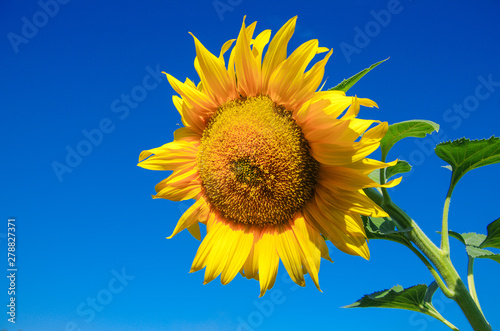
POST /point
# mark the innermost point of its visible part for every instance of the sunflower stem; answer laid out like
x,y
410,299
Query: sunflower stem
x,y
433,271
456,288
434,313
445,239
470,281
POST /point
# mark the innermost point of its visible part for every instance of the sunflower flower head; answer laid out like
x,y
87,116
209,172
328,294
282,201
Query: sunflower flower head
x,y
274,165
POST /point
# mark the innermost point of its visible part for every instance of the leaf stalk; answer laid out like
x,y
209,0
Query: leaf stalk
x,y
456,288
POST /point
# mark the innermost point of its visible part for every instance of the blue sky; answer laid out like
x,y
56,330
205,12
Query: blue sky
x,y
80,88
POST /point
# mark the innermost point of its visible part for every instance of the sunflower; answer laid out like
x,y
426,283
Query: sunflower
x,y
275,165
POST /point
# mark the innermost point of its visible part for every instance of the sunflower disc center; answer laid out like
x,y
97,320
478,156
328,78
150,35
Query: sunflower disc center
x,y
255,164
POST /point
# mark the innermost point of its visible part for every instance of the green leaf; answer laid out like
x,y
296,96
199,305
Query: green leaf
x,y
476,252
468,239
493,237
464,155
398,131
430,292
400,168
474,241
346,84
416,298
411,298
385,228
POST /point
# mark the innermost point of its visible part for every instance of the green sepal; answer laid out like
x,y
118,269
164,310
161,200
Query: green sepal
x,y
375,176
400,168
464,155
401,130
346,84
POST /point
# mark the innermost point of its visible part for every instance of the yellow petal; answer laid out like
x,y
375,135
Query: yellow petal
x,y
259,43
349,242
325,130
251,266
318,241
342,153
276,52
288,251
170,156
213,75
190,217
324,104
186,134
353,201
194,230
312,80
375,134
217,256
212,237
310,253
248,70
227,45
237,254
341,219
322,50
356,128
338,102
194,97
249,30
268,260
185,174
366,166
287,77
354,109
350,179
185,189
190,116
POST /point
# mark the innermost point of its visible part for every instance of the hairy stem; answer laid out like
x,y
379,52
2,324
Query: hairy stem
x,y
457,289
470,281
433,271
445,239
434,313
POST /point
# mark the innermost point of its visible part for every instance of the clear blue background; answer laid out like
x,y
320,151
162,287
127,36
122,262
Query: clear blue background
x,y
75,229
